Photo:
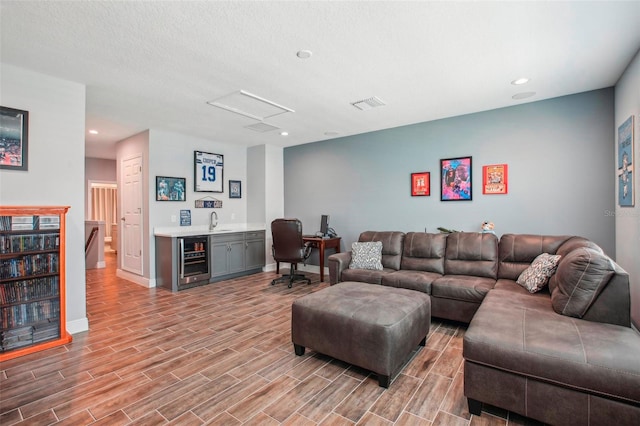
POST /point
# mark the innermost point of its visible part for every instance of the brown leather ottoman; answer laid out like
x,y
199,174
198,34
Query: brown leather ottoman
x,y
371,326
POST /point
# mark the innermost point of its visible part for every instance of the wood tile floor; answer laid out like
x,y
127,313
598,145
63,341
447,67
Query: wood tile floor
x,y
222,354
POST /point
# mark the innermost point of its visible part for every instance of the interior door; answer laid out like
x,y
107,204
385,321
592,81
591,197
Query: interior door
x,y
132,219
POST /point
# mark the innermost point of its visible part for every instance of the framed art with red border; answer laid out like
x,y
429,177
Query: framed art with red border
x,y
420,184
495,179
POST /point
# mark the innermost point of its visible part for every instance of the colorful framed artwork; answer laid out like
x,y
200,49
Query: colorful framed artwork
x,y
170,188
495,179
456,183
235,189
208,172
14,138
626,193
420,184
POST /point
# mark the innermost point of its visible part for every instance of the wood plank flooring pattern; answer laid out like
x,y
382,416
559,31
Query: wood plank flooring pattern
x,y
222,354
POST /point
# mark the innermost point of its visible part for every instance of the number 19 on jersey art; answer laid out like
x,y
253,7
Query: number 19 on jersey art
x,y
208,169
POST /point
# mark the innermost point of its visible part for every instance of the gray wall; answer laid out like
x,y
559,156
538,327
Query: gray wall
x,y
559,154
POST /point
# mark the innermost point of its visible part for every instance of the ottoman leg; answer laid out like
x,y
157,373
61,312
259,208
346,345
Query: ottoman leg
x,y
475,406
299,350
383,381
423,342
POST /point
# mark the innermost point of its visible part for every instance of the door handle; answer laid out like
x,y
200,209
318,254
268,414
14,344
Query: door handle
x,y
122,218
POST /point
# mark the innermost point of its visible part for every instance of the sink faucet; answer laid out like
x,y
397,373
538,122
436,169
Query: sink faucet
x,y
212,225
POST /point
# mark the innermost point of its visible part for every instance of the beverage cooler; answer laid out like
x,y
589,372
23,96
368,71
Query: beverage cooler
x,y
182,262
194,260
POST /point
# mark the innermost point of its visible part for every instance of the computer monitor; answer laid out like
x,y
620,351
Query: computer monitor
x,y
324,225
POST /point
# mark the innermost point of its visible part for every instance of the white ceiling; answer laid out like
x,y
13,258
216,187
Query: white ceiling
x,y
156,64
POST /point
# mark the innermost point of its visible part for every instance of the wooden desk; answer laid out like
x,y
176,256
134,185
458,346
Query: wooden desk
x,y
321,244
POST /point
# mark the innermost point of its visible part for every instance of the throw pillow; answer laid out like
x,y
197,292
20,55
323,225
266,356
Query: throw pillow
x,y
580,278
537,275
366,255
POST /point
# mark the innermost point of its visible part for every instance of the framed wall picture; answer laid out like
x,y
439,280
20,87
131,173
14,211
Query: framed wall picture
x,y
235,189
170,188
495,179
208,172
14,138
456,184
420,184
626,193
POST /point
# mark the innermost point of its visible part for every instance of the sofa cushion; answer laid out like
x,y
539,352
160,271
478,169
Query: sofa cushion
x,y
391,246
471,253
366,255
371,276
424,252
579,279
412,280
517,251
462,287
537,275
524,337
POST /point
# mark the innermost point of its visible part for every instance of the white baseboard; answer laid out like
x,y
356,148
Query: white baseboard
x,y
145,282
78,326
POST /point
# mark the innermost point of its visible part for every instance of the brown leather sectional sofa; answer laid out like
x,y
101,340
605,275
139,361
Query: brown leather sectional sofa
x,y
566,355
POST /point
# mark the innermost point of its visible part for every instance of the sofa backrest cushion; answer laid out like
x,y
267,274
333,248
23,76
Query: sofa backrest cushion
x,y
580,278
577,242
517,251
472,253
424,252
391,246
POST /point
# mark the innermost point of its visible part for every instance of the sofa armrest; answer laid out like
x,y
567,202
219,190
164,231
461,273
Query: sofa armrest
x,y
338,262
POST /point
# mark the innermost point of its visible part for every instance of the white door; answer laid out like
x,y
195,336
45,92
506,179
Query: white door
x,y
131,220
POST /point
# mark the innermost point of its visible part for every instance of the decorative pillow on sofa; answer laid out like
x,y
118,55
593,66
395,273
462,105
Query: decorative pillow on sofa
x,y
580,278
537,275
366,255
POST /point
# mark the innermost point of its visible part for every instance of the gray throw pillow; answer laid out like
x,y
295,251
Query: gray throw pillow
x,y
537,275
366,256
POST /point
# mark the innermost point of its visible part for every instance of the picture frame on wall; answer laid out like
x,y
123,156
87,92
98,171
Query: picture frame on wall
x,y
14,138
208,172
170,188
495,179
456,182
420,184
235,189
626,191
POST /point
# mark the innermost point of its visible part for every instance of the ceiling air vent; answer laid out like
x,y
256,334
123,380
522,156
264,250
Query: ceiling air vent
x,y
261,127
369,103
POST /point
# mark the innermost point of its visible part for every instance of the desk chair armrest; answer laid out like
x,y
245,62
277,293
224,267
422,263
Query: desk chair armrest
x,y
338,262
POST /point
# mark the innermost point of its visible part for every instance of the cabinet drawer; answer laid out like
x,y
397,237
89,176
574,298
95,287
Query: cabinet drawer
x,y
227,238
254,235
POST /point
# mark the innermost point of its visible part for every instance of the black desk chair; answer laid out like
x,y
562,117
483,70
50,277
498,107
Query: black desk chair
x,y
288,247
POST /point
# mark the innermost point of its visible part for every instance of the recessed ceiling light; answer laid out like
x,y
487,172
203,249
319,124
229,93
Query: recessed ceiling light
x,y
520,81
93,132
284,133
330,133
523,95
304,54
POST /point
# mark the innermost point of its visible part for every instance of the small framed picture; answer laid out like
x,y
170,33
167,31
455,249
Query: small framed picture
x,y
495,179
235,189
170,188
420,184
455,182
14,132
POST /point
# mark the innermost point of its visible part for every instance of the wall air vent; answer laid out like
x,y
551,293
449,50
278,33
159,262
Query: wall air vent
x,y
369,103
261,127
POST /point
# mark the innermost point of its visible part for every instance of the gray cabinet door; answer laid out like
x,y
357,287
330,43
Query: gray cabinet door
x,y
219,258
236,256
255,253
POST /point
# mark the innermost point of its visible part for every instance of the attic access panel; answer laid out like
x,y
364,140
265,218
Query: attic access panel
x,y
249,105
